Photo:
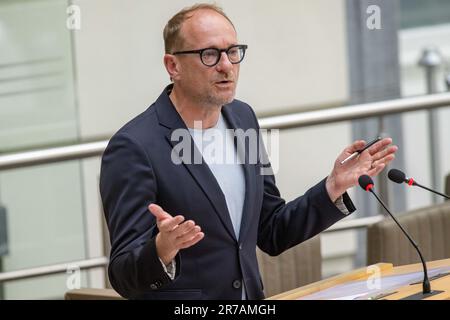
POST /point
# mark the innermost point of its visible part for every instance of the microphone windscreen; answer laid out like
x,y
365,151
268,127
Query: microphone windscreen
x,y
396,176
365,181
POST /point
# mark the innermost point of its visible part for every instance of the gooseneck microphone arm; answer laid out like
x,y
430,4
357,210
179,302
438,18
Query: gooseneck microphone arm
x,y
367,184
399,176
426,287
431,190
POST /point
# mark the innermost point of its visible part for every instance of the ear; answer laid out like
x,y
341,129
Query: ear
x,y
172,66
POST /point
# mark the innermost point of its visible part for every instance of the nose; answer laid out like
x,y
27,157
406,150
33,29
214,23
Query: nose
x,y
224,64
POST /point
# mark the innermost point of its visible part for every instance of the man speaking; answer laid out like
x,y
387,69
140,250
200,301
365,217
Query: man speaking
x,y
187,229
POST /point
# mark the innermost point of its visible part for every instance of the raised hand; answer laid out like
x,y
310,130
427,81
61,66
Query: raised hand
x,y
371,162
174,233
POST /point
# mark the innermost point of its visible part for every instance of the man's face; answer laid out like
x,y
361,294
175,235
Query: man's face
x,y
212,86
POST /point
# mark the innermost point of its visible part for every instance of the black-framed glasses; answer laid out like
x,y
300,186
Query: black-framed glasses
x,y
211,56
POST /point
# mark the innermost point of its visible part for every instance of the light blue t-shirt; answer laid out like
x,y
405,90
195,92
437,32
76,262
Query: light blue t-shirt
x,y
217,148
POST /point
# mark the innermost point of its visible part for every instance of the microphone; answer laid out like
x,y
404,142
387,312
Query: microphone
x,y
367,184
398,176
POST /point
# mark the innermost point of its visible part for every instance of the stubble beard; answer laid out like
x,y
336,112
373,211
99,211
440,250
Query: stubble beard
x,y
214,99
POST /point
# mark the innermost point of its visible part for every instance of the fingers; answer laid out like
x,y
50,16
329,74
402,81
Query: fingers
x,y
185,235
164,220
158,212
199,236
379,146
184,228
174,230
170,224
355,146
384,153
379,165
188,235
386,160
376,170
174,234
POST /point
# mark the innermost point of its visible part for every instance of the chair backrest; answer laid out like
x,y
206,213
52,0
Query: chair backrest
x,y
427,226
293,268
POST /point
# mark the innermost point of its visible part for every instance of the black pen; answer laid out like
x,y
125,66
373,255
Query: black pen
x,y
354,154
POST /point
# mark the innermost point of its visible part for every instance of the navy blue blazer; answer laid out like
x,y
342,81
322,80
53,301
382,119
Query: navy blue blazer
x,y
137,170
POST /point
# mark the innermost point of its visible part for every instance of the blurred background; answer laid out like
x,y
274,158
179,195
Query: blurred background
x,y
73,72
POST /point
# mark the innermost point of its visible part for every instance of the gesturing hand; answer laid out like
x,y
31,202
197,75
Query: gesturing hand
x,y
174,234
371,162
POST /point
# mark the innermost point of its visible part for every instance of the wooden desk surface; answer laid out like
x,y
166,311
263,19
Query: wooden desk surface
x,y
386,269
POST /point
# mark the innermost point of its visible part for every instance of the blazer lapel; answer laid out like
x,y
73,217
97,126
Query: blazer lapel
x,y
169,117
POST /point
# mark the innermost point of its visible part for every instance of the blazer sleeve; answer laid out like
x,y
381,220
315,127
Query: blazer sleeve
x,y
283,225
127,187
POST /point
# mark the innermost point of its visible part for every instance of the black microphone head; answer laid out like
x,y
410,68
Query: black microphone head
x,y
365,182
397,176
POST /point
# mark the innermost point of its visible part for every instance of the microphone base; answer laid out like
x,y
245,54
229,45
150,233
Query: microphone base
x,y
421,295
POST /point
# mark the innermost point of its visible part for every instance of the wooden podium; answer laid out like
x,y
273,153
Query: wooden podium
x,y
440,283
